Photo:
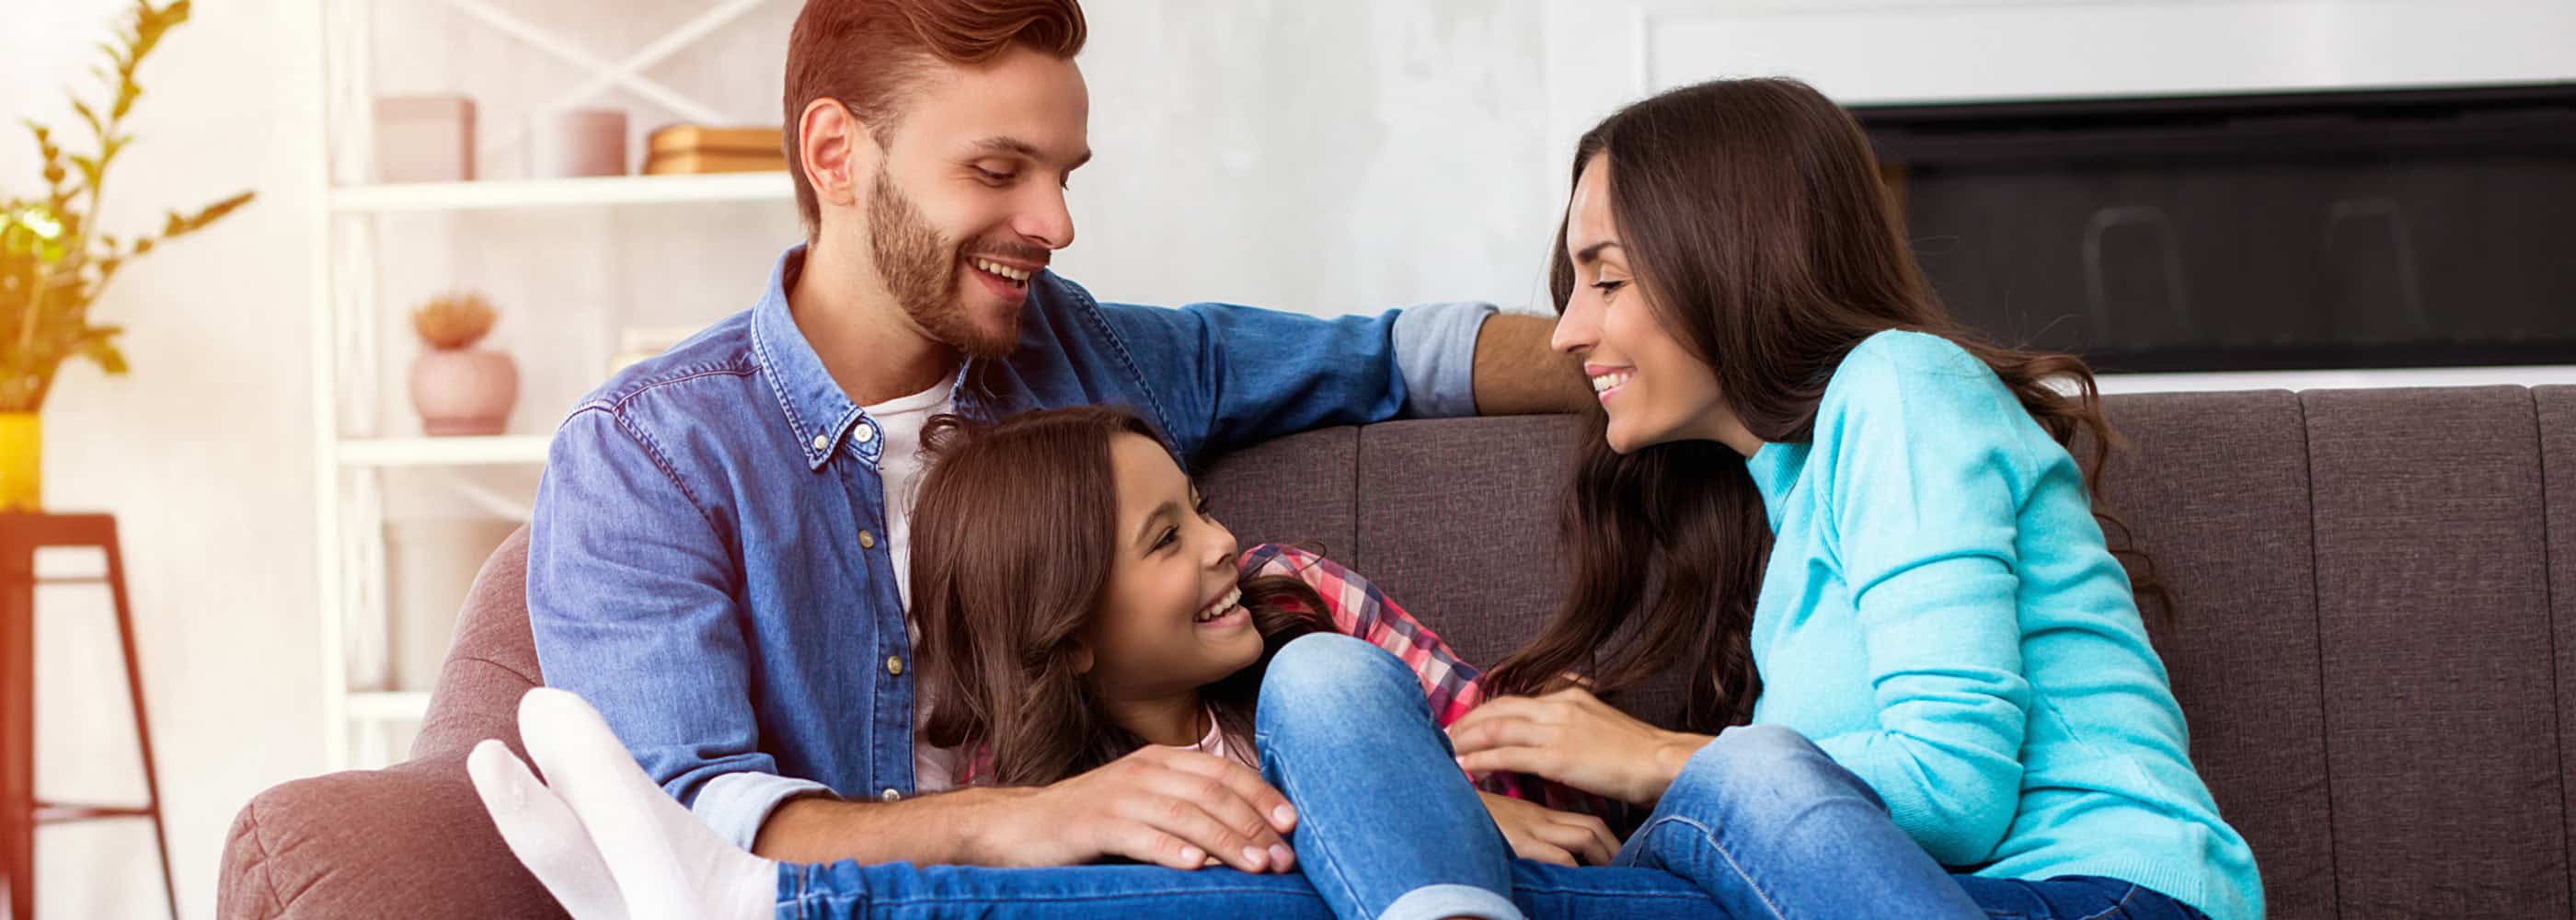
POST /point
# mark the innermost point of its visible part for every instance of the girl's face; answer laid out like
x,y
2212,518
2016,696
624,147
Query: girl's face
x,y
1171,620
1653,388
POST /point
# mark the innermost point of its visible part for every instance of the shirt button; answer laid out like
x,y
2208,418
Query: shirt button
x,y
890,796
867,540
894,665
821,442
865,433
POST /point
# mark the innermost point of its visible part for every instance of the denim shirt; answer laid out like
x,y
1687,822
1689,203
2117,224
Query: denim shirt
x,y
707,563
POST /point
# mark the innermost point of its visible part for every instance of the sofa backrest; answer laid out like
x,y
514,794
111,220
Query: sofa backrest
x,y
2372,632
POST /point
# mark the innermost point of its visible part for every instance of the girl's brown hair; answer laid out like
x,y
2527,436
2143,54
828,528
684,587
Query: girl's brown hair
x,y
1013,536
1753,213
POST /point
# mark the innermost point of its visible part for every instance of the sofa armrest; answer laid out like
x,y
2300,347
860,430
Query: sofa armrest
x,y
407,841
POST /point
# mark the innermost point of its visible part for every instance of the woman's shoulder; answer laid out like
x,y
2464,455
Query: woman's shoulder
x,y
1913,374
1904,355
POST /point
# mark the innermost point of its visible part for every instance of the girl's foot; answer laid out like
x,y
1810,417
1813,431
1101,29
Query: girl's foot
x,y
543,833
666,863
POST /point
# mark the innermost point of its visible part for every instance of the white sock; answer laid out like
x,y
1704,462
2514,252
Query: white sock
x,y
542,831
668,864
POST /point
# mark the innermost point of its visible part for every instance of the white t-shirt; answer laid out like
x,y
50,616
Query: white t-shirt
x,y
899,423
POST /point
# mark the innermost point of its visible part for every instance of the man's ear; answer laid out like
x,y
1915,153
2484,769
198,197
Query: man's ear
x,y
836,151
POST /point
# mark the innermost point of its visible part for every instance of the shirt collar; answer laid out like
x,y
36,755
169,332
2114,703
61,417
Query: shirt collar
x,y
815,410
818,415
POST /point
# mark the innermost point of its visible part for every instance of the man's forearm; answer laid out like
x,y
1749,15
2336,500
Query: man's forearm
x,y
943,829
1518,374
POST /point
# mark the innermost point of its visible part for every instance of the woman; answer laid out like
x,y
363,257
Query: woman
x,y
1863,533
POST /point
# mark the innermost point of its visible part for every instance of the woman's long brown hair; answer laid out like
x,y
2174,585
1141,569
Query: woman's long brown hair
x,y
1753,213
1012,542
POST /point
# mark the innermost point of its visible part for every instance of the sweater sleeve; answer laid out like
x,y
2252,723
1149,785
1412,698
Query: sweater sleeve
x,y
1924,501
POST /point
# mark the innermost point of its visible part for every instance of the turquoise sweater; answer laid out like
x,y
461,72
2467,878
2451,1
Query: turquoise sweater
x,y
1942,617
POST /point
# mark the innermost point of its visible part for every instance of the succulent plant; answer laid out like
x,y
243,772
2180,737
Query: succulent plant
x,y
453,322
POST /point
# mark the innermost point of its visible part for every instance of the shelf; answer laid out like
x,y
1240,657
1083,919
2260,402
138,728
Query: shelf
x,y
388,706
462,451
562,193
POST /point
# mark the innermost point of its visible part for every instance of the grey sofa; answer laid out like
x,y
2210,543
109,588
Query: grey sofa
x,y
2374,637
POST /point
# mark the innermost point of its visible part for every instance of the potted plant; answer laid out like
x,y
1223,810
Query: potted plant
x,y
54,264
460,389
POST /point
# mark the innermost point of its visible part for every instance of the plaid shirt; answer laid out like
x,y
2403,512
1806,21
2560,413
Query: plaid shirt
x,y
1452,686
1360,610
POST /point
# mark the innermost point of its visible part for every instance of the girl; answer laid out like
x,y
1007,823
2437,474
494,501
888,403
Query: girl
x,y
1864,534
1111,612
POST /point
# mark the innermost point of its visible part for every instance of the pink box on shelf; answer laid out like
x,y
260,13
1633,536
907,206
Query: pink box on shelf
x,y
577,142
424,139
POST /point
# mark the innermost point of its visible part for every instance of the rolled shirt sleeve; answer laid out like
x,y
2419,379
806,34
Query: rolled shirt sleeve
x,y
1435,349
737,804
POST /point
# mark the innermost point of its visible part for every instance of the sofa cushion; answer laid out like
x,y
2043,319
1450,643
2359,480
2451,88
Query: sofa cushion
x,y
491,662
1296,489
410,841
2442,750
2214,488
2556,407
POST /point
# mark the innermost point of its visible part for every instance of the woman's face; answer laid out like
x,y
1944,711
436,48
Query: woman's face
x,y
1653,388
1172,619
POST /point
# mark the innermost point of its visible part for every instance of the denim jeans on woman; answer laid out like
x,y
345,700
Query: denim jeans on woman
x,y
1761,821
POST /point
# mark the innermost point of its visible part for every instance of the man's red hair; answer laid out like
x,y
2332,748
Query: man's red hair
x,y
868,54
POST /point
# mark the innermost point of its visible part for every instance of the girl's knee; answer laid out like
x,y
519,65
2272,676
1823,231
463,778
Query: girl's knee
x,y
1334,672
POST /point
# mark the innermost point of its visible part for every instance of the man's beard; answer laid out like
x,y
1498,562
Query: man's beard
x,y
919,266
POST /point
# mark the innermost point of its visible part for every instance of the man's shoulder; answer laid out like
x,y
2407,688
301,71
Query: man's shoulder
x,y
709,365
1069,308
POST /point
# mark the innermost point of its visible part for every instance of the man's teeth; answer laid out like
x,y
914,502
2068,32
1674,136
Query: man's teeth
x,y
1233,598
1606,382
1000,269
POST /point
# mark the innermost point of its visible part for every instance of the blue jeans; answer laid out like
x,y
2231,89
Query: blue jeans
x,y
1760,824
1387,828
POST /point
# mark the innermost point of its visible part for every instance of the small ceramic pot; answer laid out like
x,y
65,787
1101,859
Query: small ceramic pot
x,y
464,392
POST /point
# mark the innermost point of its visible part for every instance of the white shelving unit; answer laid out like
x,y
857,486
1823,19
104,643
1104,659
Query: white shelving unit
x,y
353,446
556,193
394,452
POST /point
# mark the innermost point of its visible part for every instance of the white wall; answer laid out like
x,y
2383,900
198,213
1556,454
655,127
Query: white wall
x,y
1324,156
202,452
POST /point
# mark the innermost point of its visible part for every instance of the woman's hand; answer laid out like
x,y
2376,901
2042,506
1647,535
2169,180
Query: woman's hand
x,y
1551,836
1574,738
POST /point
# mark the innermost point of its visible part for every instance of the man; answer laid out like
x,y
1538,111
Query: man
x,y
717,560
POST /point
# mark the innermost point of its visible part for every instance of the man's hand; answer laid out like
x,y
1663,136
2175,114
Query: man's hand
x,y
1547,835
1166,806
